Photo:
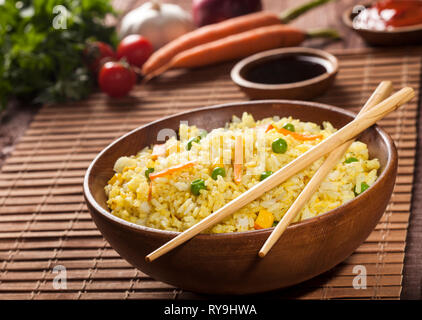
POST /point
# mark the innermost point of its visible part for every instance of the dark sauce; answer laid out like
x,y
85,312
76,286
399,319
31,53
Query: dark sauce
x,y
285,70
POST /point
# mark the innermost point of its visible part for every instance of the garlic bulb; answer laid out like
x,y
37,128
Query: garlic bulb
x,y
159,23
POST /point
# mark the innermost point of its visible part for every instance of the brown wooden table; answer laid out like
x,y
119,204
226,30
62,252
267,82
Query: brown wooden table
x,y
17,118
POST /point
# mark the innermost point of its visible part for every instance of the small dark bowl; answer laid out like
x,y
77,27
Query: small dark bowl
x,y
303,90
228,263
411,35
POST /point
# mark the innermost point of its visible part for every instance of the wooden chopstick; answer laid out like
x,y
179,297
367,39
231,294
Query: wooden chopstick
x,y
383,90
346,133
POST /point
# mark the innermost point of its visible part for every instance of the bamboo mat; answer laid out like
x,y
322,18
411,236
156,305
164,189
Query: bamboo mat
x,y
44,221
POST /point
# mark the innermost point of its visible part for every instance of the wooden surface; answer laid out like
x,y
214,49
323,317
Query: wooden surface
x,y
44,220
28,259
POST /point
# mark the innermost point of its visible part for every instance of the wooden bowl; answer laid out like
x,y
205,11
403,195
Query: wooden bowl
x,y
229,263
411,35
303,90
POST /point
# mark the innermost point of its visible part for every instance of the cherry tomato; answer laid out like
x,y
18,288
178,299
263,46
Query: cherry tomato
x,y
97,53
116,79
135,48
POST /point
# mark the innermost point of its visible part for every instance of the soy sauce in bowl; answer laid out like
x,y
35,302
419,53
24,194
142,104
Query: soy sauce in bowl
x,y
286,73
288,69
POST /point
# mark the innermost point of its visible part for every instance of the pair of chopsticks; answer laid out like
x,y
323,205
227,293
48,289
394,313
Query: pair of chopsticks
x,y
383,90
369,115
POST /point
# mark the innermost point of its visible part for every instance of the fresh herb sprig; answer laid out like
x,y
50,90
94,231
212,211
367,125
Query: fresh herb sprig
x,y
41,62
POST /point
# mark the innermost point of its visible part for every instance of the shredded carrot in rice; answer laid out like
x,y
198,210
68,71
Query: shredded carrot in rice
x,y
238,159
298,136
171,170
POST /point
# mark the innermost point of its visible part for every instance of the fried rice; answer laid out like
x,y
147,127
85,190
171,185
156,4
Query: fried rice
x,y
181,185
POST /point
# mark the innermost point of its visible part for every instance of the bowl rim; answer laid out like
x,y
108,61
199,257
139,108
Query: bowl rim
x,y
237,78
391,159
347,20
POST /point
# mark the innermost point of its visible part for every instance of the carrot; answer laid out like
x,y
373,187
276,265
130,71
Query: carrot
x,y
171,170
221,30
241,45
207,34
238,159
296,135
269,127
264,220
159,150
300,136
150,191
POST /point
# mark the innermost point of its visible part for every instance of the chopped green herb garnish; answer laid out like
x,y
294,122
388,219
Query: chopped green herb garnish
x,y
265,175
192,140
148,171
363,187
351,159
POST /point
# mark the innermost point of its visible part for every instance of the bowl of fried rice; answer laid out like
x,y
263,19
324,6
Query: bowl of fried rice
x,y
161,179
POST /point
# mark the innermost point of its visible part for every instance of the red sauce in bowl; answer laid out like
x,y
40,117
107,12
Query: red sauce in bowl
x,y
390,14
